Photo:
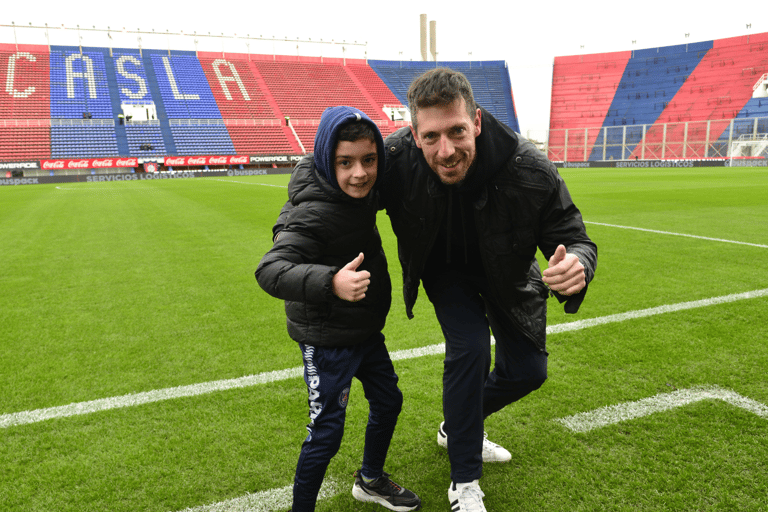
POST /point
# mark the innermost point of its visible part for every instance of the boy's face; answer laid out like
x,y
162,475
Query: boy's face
x,y
356,165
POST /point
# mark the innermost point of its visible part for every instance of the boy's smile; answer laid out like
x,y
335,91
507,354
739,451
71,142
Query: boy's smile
x,y
356,165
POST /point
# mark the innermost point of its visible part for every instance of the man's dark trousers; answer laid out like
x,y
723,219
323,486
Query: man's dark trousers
x,y
467,314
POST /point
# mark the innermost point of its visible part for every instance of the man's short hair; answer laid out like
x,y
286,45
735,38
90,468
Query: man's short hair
x,y
440,87
354,131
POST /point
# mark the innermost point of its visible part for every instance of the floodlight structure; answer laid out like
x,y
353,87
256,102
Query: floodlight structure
x,y
432,38
423,36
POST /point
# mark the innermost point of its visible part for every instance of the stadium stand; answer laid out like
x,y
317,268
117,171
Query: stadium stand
x,y
683,101
25,111
73,102
146,134
254,120
490,83
82,122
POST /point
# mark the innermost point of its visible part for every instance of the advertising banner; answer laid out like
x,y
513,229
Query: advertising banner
x,y
182,161
19,166
88,163
275,159
643,164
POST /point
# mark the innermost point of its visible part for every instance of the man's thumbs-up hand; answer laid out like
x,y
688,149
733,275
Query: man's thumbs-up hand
x,y
565,274
349,284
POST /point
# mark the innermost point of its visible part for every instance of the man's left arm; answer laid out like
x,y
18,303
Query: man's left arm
x,y
572,255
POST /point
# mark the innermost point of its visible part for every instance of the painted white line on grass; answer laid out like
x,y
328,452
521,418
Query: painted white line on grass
x,y
677,234
25,417
271,500
670,308
104,404
586,421
413,353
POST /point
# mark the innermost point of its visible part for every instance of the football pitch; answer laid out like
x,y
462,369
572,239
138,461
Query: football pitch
x,y
143,369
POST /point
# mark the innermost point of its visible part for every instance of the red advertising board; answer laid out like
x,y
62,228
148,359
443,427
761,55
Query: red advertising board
x,y
88,163
170,161
181,161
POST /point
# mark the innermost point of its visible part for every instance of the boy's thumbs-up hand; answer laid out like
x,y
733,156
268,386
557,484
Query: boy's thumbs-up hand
x,y
349,284
565,274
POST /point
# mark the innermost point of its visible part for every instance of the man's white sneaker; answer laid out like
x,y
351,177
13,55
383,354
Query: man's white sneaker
x,y
466,497
492,452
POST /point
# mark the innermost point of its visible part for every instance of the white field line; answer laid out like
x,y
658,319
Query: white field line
x,y
104,404
677,234
604,416
279,499
658,310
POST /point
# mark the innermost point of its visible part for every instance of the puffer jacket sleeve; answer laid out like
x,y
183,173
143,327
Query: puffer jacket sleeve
x,y
289,270
563,224
280,224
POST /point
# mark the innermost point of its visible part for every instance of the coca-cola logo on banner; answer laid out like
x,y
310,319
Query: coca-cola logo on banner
x,y
90,163
53,164
206,160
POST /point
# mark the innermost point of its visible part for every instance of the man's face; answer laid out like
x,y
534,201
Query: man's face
x,y
356,166
446,136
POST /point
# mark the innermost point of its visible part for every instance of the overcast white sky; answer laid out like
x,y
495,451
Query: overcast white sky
x,y
527,35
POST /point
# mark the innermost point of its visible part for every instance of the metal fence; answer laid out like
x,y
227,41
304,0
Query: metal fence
x,y
683,140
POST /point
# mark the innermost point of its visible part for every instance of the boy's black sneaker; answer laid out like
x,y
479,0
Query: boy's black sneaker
x,y
386,493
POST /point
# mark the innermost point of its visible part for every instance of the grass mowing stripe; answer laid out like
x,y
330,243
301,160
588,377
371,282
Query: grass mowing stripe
x,y
266,501
25,417
604,416
677,234
246,183
279,499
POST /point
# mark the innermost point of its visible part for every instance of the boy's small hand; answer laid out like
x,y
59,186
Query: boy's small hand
x,y
349,284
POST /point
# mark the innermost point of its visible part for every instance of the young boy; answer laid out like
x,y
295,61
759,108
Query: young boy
x,y
328,265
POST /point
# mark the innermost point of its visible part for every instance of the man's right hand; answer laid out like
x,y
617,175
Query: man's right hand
x,y
349,284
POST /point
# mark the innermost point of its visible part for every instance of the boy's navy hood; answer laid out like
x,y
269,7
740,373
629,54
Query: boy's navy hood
x,y
325,140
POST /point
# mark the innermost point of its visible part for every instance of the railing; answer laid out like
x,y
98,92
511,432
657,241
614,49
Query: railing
x,y
253,122
196,122
142,122
760,81
82,122
681,140
21,123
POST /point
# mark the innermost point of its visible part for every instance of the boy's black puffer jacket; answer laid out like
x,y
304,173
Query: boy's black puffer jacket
x,y
321,230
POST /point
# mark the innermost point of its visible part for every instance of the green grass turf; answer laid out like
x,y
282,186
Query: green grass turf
x,y
123,287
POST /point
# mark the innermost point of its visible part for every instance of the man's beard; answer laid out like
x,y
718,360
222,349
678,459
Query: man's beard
x,y
463,179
